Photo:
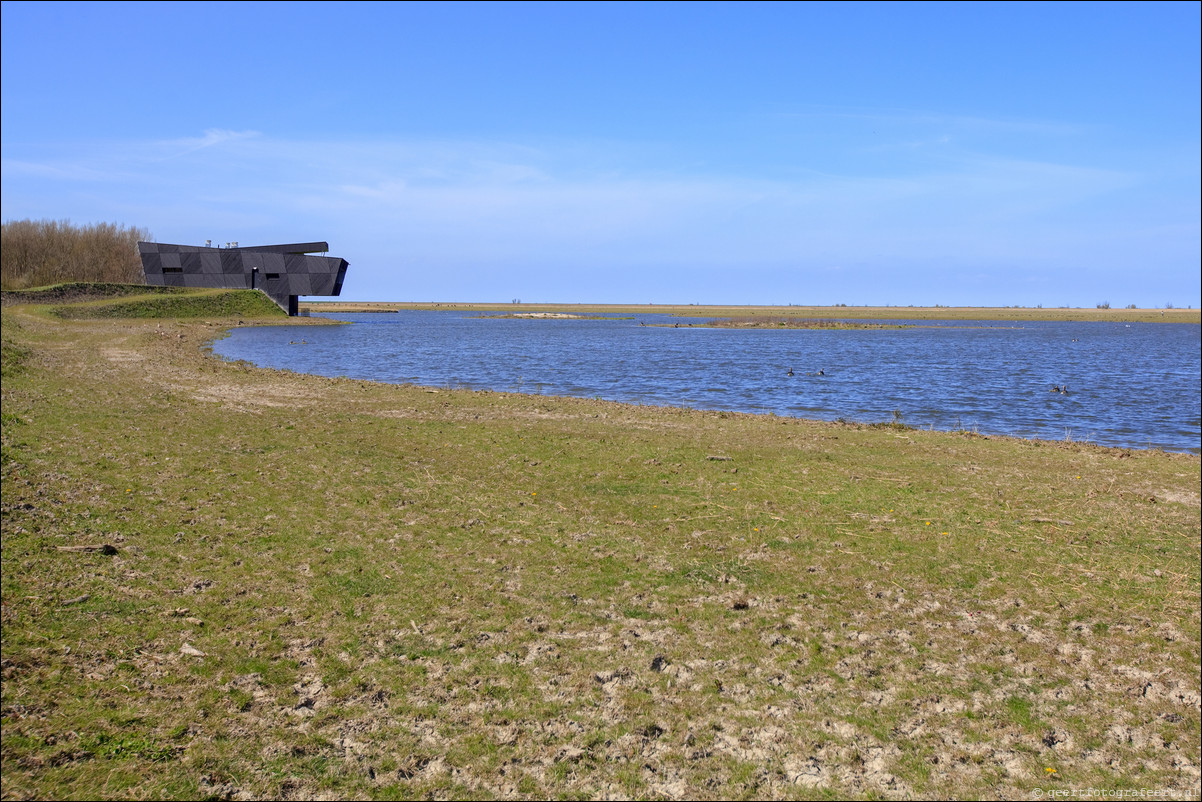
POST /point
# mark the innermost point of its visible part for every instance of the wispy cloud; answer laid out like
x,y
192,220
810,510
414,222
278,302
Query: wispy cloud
x,y
447,204
18,169
213,137
117,162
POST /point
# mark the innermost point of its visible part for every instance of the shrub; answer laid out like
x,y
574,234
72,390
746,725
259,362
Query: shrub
x,y
43,252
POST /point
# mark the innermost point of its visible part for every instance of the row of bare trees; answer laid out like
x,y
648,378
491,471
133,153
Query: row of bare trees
x,y
37,253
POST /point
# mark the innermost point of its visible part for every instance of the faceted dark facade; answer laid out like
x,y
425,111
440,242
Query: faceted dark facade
x,y
283,272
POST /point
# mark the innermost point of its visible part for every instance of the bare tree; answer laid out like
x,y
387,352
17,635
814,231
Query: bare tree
x,y
43,252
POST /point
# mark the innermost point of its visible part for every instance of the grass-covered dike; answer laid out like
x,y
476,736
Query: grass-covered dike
x,y
75,300
332,588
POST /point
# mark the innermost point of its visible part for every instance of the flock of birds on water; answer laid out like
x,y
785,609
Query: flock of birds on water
x,y
1062,389
1056,388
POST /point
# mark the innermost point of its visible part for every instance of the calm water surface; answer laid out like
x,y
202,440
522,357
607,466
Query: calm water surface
x,y
1134,385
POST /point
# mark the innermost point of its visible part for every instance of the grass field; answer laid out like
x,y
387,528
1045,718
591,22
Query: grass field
x,y
228,582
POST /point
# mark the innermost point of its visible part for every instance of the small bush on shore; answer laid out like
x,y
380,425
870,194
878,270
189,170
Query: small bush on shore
x,y
41,252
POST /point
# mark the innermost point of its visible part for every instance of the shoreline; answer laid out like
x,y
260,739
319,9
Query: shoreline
x,y
896,426
830,312
769,324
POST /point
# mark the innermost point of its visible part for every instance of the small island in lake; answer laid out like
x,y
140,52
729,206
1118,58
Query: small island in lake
x,y
549,316
788,323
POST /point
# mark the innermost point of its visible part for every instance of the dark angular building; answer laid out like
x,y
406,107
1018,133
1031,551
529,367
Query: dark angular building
x,y
283,272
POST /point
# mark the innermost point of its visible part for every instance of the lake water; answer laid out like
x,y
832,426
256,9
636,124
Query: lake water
x,y
1134,385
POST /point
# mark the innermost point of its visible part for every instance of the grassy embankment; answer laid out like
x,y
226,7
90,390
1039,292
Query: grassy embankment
x,y
806,312
337,588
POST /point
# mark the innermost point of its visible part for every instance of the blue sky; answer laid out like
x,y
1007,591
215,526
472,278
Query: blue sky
x,y
978,154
